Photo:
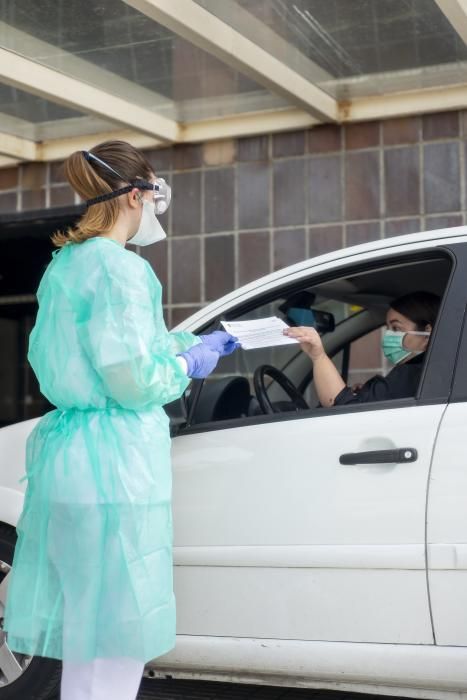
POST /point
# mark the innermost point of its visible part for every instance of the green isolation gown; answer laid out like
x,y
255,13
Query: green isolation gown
x,y
92,572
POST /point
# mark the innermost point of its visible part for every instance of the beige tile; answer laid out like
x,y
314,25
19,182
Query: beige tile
x,y
219,152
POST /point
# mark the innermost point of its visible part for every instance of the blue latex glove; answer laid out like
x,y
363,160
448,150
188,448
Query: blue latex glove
x,y
220,341
200,360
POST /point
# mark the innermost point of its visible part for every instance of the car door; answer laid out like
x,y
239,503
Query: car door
x,y
277,538
447,512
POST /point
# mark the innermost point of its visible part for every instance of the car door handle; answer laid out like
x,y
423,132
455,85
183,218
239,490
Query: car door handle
x,y
398,456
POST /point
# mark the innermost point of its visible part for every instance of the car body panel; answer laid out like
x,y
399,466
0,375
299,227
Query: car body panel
x,y
357,532
12,469
415,671
447,529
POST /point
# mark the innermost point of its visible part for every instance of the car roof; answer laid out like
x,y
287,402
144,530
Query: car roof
x,y
436,237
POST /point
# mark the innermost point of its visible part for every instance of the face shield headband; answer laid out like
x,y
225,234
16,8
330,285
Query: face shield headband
x,y
162,192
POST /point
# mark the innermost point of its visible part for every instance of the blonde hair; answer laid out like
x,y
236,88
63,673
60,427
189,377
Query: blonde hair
x,y
90,180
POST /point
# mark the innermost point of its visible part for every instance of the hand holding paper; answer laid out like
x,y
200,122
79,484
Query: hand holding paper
x,y
259,333
221,342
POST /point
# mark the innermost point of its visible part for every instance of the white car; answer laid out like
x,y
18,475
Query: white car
x,y
294,564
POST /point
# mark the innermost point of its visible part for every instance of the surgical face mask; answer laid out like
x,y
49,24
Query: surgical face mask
x,y
149,230
393,345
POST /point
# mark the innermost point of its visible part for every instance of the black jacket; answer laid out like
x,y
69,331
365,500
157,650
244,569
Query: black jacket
x,y
401,382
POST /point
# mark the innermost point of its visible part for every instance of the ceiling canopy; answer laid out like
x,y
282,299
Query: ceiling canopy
x,y
162,71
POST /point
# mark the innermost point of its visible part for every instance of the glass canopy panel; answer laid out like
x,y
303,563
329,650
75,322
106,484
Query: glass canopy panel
x,y
32,117
362,47
114,47
27,107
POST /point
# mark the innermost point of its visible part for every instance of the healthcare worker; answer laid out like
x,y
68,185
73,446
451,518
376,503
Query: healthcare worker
x,y
91,582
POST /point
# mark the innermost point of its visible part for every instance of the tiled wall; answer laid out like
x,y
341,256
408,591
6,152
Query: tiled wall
x,y
242,208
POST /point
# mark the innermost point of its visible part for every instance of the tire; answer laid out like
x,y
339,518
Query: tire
x,y
41,677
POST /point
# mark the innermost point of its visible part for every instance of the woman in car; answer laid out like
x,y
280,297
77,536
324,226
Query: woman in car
x,y
409,322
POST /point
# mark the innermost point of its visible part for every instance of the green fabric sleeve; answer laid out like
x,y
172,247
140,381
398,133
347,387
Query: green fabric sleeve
x,y
180,341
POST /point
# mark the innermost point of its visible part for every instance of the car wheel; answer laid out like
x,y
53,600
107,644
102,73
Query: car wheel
x,y
21,676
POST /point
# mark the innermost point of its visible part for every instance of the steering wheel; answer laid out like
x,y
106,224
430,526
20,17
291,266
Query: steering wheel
x,y
262,395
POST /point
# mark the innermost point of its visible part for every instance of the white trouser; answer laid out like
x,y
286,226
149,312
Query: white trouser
x,y
101,679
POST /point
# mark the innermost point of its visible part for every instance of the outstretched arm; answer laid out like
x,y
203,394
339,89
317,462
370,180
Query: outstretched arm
x,y
327,380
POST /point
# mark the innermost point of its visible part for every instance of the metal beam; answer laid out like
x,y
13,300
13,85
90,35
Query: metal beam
x,y
17,127
274,121
25,74
404,104
55,129
8,162
58,149
456,12
362,109
18,148
437,77
208,130
248,125
208,32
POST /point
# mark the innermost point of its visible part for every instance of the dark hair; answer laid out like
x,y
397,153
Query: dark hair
x,y
420,307
90,180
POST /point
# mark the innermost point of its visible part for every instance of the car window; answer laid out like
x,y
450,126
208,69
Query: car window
x,y
357,303
244,362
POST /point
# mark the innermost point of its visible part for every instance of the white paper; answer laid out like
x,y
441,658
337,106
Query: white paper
x,y
259,333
